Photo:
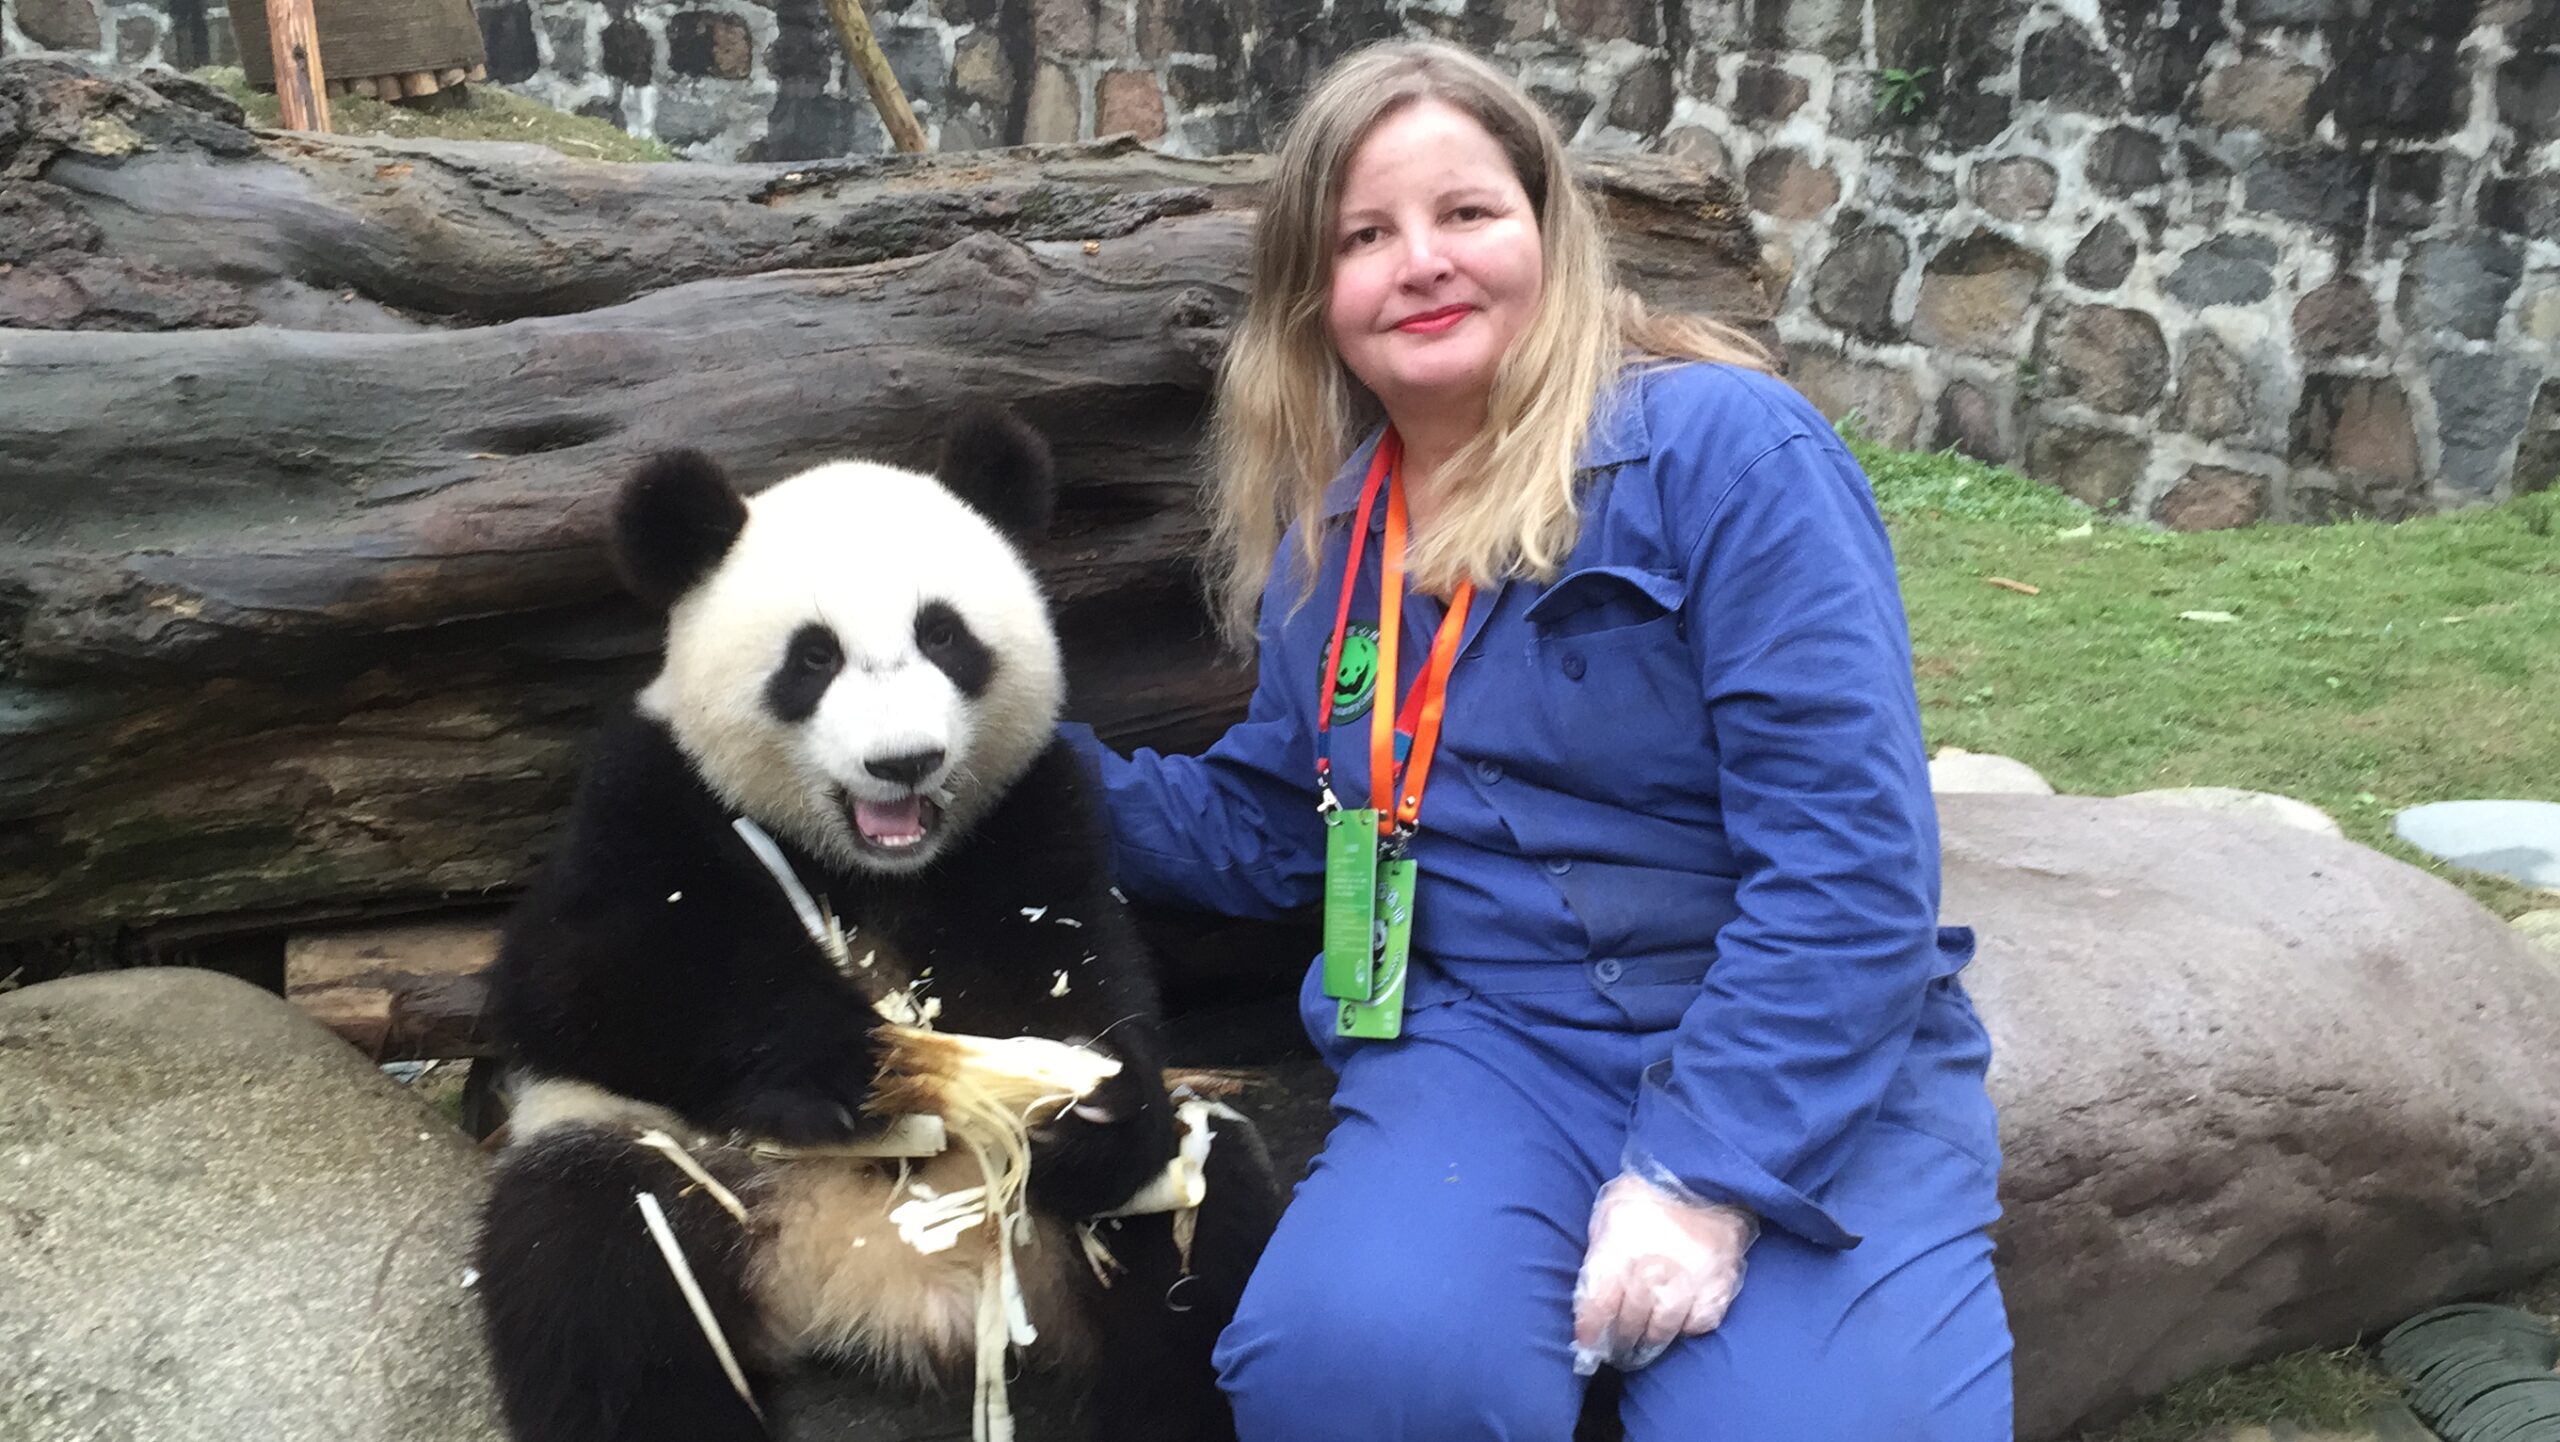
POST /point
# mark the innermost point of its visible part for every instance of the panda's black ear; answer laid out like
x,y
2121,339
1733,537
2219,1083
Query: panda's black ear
x,y
993,460
676,517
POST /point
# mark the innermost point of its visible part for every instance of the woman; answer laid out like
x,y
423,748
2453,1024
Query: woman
x,y
1655,800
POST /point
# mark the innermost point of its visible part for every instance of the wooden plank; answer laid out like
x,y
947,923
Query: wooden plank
x,y
863,49
293,38
404,992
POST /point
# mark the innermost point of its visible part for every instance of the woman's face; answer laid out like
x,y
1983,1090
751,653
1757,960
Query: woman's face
x,y
1436,263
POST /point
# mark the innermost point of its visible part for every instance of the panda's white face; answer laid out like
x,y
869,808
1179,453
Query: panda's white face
x,y
865,670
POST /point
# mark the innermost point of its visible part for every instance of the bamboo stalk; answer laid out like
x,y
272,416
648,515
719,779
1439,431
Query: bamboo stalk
x,y
419,83
863,48
293,42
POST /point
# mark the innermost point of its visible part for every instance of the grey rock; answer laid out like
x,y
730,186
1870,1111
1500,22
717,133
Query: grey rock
x,y
569,44
2339,318
2460,285
1908,185
630,52
2216,392
2213,498
2311,185
137,38
225,1224
2410,187
683,122
61,24
1974,421
1885,400
1976,292
2529,95
1955,769
2261,1089
2357,423
1642,101
2110,357
1853,287
2286,12
2123,160
1853,105
2017,187
2516,839
2063,66
1765,94
2482,403
506,32
2103,258
2226,270
2096,467
2538,454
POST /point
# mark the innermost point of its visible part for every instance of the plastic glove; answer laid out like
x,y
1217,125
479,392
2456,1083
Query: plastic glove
x,y
1659,1266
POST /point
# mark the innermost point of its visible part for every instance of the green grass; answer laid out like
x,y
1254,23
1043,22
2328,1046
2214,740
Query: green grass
x,y
485,113
2365,668
2325,1391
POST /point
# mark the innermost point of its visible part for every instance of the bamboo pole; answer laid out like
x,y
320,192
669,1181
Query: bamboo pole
x,y
293,40
863,48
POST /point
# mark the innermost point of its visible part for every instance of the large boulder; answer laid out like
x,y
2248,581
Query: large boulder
x,y
2262,1089
217,1222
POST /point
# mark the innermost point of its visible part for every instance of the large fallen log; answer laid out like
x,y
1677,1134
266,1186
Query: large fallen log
x,y
301,623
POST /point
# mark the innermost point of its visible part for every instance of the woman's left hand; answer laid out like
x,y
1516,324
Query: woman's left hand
x,y
1658,1267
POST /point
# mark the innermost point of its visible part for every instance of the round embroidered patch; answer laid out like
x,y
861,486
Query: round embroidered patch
x,y
1355,681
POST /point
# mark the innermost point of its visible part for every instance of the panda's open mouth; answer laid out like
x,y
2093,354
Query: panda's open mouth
x,y
893,825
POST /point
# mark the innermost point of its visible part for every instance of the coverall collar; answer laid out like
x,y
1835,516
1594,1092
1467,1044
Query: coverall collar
x,y
1618,435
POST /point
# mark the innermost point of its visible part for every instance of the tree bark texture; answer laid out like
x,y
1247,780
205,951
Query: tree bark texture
x,y
306,443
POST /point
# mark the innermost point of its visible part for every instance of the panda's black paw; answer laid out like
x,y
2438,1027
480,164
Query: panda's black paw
x,y
798,1117
1094,1158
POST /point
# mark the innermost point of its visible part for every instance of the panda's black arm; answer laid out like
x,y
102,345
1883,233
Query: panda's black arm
x,y
655,959
1075,969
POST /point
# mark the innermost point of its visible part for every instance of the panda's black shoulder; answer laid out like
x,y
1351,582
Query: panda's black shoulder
x,y
640,810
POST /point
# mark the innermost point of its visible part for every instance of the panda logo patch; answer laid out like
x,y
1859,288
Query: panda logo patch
x,y
1355,681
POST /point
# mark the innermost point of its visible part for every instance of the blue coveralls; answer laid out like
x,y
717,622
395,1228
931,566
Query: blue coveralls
x,y
1678,909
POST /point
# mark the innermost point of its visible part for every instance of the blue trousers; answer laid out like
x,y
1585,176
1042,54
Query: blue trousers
x,y
1419,1288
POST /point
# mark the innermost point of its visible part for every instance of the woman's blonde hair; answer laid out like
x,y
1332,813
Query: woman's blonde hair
x,y
1289,413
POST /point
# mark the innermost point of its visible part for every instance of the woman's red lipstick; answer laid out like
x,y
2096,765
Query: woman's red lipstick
x,y
1433,321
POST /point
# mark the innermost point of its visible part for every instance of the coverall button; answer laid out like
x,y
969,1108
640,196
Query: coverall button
x,y
1488,772
1558,865
1573,666
1608,970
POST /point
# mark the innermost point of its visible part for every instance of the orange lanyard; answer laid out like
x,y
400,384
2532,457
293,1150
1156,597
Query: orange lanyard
x,y
1397,795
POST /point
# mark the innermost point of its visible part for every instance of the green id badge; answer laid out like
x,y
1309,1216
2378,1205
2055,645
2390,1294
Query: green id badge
x,y
1380,1015
1350,902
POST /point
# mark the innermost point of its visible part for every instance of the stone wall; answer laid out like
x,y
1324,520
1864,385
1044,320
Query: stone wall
x,y
2207,261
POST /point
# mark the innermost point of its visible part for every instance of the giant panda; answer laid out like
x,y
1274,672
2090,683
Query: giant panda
x,y
859,661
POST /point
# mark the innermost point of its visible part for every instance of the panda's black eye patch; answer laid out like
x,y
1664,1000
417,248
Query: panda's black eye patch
x,y
946,641
809,666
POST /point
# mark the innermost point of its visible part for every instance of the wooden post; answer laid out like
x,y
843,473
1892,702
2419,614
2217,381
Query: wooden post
x,y
863,48
293,38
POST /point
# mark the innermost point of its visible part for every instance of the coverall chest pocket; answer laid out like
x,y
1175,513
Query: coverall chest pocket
x,y
1609,650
